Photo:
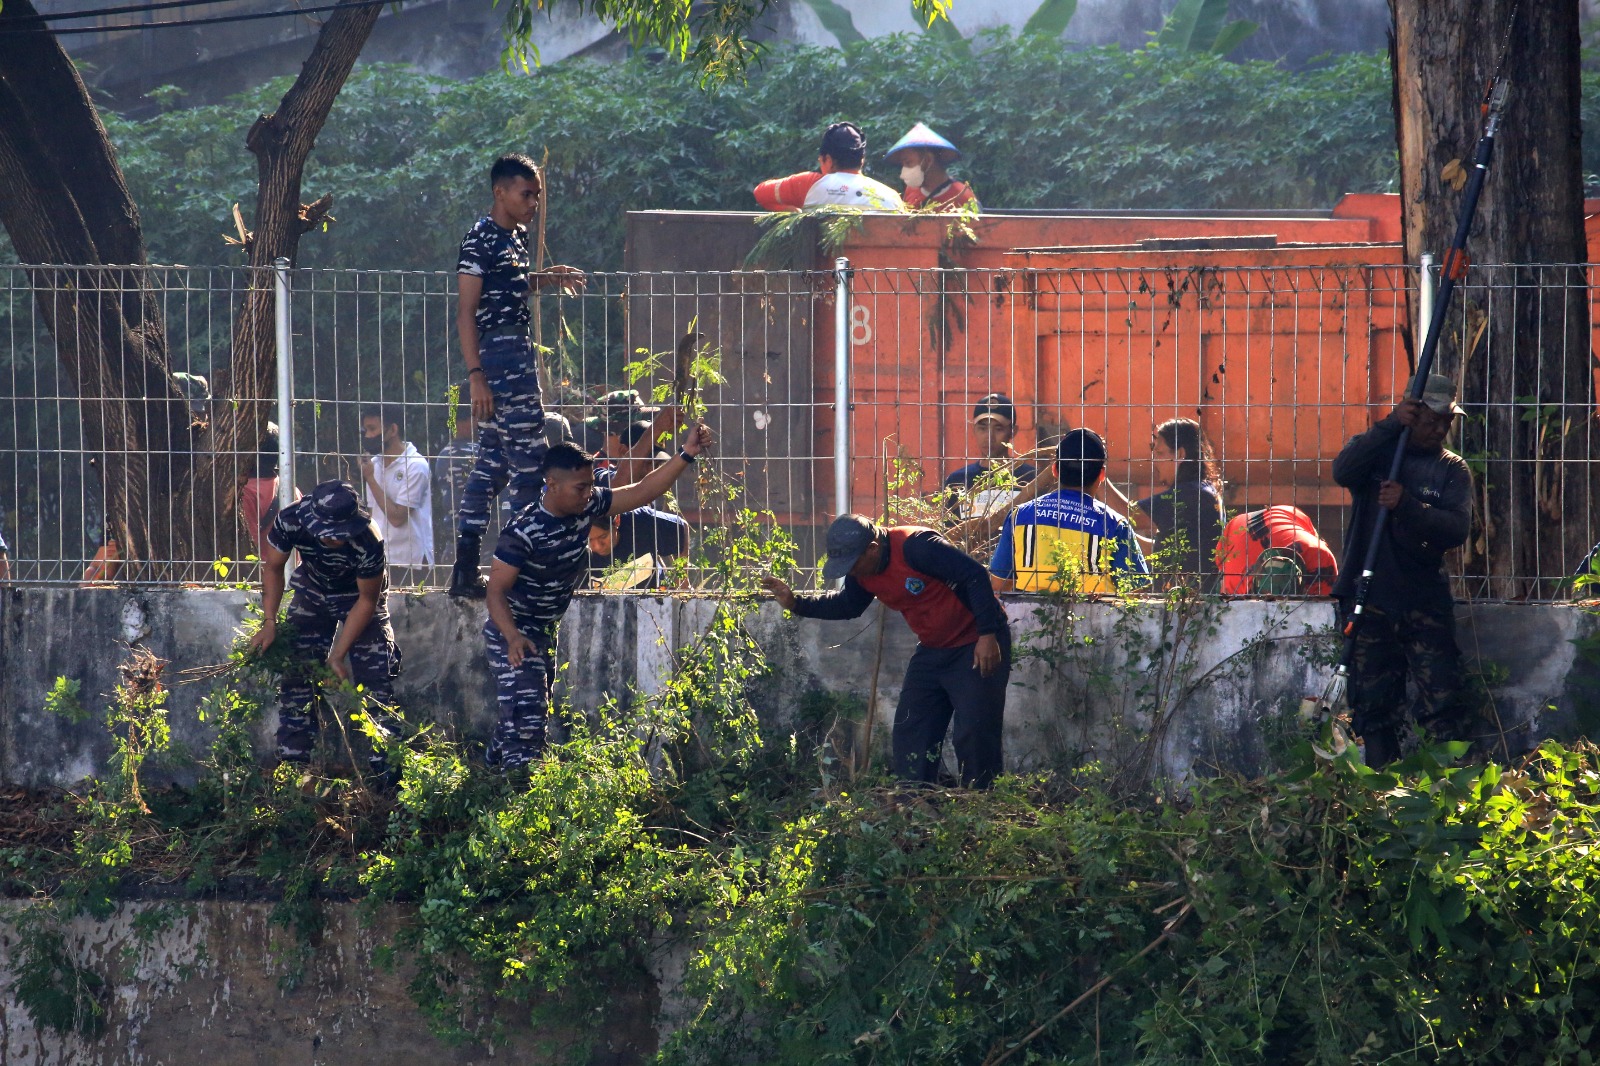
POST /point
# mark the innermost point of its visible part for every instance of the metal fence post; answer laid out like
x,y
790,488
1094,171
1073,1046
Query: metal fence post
x,y
286,483
1425,291
841,386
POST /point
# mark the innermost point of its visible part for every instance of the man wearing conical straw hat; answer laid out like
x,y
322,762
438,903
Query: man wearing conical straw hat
x,y
922,156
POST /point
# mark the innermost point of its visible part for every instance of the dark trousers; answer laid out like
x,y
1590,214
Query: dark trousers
x,y
1392,646
512,444
374,664
940,684
524,695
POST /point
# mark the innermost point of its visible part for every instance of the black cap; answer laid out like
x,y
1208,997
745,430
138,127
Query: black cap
x,y
848,537
843,139
996,403
1082,447
336,512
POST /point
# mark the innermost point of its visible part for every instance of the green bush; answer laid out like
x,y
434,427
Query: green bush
x,y
1329,914
1433,913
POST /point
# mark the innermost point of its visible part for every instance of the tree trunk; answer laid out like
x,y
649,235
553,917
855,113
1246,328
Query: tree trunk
x,y
1517,340
281,143
65,202
170,488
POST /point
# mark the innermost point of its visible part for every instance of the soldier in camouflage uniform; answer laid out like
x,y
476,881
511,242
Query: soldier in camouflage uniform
x,y
492,317
340,587
1408,623
539,562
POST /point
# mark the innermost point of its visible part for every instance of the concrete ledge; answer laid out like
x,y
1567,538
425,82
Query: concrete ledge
x,y
1210,687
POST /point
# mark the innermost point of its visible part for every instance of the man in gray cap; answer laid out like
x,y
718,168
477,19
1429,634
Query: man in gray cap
x,y
1408,622
963,658
339,588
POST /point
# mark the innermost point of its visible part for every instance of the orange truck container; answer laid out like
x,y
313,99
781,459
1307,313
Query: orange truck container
x,y
1282,333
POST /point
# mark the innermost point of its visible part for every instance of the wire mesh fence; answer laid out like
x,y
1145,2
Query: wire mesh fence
x,y
1277,366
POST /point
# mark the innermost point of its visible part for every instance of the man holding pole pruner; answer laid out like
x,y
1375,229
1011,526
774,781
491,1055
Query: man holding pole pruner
x,y
1407,625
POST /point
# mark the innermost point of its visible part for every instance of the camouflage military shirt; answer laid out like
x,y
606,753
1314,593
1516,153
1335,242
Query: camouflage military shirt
x,y
552,554
323,570
500,257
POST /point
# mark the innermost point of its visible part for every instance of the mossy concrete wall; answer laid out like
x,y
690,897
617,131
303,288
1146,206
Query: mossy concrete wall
x,y
1211,686
220,982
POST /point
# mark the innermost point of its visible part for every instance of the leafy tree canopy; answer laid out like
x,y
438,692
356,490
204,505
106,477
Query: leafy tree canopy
x,y
1042,124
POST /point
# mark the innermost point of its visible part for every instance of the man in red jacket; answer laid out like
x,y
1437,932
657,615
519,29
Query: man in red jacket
x,y
1275,551
837,180
962,663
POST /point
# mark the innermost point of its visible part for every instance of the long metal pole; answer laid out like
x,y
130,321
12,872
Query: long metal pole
x,y
1425,288
1452,270
841,386
285,384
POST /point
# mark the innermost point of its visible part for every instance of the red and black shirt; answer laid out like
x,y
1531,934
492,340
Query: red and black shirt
x,y
943,592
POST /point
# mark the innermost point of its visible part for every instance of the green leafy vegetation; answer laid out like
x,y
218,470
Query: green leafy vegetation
x,y
1051,17
836,20
1324,913
1042,123
63,698
1203,26
57,991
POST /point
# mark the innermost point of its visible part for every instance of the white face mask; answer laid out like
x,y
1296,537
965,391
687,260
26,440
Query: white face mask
x,y
912,176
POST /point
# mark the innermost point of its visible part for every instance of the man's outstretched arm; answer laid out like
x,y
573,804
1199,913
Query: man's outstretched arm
x,y
659,480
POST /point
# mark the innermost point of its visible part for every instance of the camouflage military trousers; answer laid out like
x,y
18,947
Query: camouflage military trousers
x,y
374,664
523,692
1392,646
512,444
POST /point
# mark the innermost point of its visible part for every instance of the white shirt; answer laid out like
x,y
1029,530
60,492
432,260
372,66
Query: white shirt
x,y
407,482
854,190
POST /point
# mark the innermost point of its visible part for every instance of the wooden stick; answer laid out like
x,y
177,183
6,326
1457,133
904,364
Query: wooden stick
x,y
1166,934
863,757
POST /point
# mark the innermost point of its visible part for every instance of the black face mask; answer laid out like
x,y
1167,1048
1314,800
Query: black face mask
x,y
371,445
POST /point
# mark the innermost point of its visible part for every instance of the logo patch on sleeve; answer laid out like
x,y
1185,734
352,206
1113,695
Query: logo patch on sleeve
x,y
915,585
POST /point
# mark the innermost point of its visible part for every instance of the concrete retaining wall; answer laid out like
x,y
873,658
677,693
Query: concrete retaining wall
x,y
219,982
1090,682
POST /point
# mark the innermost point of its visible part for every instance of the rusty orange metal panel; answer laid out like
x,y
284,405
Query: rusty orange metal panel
x,y
1274,351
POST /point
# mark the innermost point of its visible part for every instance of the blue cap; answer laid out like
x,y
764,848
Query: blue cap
x,y
996,403
920,136
848,539
336,512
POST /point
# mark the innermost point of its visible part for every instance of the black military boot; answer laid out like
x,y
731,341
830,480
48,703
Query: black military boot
x,y
465,580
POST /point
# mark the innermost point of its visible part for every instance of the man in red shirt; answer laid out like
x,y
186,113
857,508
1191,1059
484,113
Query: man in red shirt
x,y
922,156
962,663
837,180
1275,551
